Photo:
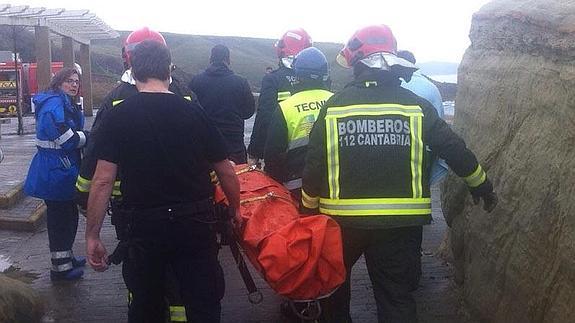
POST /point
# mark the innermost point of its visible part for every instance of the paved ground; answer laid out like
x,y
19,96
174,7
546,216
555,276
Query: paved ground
x,y
101,297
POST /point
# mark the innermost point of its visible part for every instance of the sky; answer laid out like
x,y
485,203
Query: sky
x,y
434,30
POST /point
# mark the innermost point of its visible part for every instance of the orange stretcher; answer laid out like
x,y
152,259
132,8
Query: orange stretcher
x,y
299,256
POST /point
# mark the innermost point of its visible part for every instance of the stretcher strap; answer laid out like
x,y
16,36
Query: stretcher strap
x,y
267,196
255,296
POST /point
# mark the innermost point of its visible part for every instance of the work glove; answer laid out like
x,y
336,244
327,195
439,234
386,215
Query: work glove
x,y
486,193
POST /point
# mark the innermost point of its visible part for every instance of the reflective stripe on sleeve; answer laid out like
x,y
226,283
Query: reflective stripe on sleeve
x,y
283,95
47,144
64,137
116,102
308,201
83,185
476,178
82,140
116,190
178,313
187,97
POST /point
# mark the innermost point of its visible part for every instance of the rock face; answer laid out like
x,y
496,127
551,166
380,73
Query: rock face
x,y
18,302
515,107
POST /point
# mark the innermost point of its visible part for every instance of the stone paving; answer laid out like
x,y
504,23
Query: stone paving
x,y
101,297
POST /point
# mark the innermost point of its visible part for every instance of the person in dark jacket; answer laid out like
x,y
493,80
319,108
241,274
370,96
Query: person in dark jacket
x,y
227,99
52,174
367,167
276,87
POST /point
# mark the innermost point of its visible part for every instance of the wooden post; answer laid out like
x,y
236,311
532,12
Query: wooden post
x,y
85,64
68,51
43,57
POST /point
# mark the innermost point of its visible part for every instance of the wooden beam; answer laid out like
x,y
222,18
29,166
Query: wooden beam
x,y
85,63
55,28
43,56
68,51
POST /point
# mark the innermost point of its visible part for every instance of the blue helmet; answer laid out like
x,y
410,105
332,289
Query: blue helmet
x,y
311,63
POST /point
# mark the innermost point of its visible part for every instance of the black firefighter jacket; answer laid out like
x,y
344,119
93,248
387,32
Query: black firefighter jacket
x,y
276,87
372,155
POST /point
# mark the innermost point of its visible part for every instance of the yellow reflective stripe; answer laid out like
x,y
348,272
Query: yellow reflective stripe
x,y
116,190
130,297
383,212
178,314
384,206
416,156
116,102
83,185
283,95
374,109
187,97
476,178
308,201
332,157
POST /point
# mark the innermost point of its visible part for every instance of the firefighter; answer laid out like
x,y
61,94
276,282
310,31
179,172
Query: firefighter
x,y
124,90
290,125
368,167
54,168
277,86
167,194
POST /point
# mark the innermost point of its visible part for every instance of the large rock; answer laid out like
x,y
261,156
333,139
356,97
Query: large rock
x,y
516,110
18,302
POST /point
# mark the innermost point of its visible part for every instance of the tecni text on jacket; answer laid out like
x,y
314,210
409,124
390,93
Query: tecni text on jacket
x,y
309,106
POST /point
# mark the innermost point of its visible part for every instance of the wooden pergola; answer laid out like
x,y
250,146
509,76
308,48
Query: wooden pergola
x,y
79,26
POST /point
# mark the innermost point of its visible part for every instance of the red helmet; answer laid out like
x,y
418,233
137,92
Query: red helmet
x,y
367,41
292,42
138,36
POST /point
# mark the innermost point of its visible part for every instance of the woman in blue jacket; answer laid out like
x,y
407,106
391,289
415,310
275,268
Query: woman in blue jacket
x,y
54,169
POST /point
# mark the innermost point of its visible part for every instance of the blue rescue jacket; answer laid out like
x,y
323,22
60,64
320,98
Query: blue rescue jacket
x,y
59,138
424,88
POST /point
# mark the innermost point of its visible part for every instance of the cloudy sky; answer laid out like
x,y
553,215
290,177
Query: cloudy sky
x,y
434,30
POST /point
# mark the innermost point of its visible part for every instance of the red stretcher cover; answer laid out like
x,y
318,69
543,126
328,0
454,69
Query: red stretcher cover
x,y
299,256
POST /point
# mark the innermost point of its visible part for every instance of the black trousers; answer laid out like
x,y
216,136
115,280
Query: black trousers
x,y
389,256
239,157
191,250
62,223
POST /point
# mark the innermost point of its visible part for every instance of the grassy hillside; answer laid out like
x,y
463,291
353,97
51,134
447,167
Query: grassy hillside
x,y
190,53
